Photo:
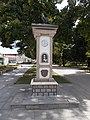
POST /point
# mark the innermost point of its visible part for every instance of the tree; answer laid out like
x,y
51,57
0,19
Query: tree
x,y
84,25
66,20
57,53
78,50
16,17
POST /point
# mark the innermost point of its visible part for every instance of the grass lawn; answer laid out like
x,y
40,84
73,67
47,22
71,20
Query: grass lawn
x,y
31,73
59,79
7,68
27,77
87,70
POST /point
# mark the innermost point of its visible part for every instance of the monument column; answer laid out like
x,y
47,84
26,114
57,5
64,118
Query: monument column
x,y
43,34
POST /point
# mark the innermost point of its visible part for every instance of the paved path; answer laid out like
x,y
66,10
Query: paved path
x,y
79,88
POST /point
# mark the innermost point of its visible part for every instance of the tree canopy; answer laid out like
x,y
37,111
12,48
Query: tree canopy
x,y
16,17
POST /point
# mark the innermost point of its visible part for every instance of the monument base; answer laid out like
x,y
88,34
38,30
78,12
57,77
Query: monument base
x,y
42,88
23,99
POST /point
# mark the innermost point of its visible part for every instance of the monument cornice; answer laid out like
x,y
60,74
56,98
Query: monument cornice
x,y
44,29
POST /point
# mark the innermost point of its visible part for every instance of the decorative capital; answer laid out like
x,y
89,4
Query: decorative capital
x,y
44,29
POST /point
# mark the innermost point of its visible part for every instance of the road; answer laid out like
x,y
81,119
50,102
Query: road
x,y
79,89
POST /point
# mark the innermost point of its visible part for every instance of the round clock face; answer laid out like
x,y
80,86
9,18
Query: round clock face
x,y
44,43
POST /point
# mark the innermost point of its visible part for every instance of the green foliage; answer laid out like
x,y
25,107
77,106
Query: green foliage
x,y
78,36
16,17
57,53
84,23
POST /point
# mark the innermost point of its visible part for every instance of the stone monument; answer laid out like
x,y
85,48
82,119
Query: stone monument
x,y
44,84
44,87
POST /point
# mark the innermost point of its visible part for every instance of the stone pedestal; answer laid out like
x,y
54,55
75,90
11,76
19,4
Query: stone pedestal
x,y
44,88
44,84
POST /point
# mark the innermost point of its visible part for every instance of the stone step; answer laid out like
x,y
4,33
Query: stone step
x,y
45,102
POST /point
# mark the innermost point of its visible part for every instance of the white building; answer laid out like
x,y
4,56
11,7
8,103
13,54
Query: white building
x,y
10,56
22,59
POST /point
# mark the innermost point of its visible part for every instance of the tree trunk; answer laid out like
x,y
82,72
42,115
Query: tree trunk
x,y
63,62
88,62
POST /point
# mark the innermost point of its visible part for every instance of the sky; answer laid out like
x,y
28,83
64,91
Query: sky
x,y
62,5
14,51
4,50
